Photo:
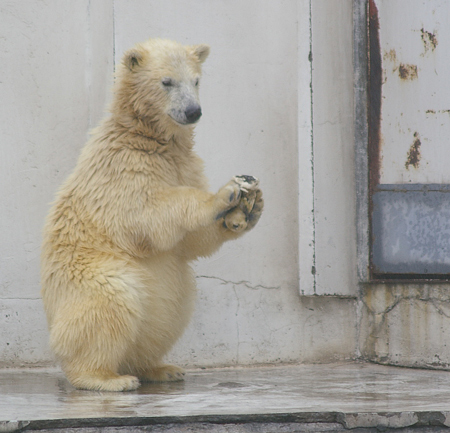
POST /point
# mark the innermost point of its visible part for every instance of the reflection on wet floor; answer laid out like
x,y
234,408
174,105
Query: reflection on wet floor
x,y
345,388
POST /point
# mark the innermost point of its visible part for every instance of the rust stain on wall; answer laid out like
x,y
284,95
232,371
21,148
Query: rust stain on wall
x,y
414,156
446,111
374,91
407,72
429,40
375,96
390,55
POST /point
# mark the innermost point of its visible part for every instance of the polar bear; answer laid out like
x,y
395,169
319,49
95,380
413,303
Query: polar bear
x,y
117,285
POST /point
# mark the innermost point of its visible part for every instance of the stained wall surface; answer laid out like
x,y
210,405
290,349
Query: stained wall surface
x,y
404,310
415,121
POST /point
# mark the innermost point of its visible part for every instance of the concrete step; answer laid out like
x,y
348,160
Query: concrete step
x,y
302,398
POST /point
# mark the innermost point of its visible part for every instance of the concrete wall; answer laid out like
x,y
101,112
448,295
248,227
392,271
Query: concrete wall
x,y
260,117
55,70
404,322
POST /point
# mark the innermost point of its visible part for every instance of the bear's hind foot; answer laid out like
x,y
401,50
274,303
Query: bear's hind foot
x,y
105,382
163,373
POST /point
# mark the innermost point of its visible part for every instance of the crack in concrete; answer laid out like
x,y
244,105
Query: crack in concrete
x,y
439,310
234,285
380,317
398,299
378,321
244,283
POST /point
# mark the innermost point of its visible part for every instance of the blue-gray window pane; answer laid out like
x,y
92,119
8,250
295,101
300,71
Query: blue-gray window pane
x,y
411,229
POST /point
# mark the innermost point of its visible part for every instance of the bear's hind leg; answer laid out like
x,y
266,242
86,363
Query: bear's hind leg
x,y
94,364
163,373
92,335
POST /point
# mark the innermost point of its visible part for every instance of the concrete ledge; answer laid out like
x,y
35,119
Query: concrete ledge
x,y
295,422
307,398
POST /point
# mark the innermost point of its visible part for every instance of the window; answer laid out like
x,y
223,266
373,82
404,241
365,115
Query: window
x,y
401,70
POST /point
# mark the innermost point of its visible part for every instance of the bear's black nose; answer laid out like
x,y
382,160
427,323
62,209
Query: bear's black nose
x,y
193,113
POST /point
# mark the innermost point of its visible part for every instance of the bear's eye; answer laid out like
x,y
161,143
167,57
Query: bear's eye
x,y
167,82
196,82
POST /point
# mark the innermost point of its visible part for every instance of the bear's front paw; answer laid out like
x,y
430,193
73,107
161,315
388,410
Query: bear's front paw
x,y
227,197
255,214
246,215
235,220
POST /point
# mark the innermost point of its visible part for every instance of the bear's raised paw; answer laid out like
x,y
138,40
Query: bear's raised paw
x,y
227,197
247,213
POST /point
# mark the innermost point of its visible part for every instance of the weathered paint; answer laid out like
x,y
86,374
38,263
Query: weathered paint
x,y
429,40
360,95
407,72
408,127
413,157
414,41
403,322
375,80
374,95
406,324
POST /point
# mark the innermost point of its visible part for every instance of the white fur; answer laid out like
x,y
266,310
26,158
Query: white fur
x,y
116,282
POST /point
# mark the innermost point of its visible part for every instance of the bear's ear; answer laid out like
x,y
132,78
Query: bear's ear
x,y
201,52
133,58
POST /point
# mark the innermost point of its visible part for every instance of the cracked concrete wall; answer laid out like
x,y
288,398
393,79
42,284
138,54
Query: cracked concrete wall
x,y
406,324
254,325
57,62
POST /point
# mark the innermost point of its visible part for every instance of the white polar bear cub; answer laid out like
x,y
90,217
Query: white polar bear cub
x,y
117,287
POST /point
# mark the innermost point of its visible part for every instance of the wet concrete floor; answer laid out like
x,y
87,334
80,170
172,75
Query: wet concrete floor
x,y
349,393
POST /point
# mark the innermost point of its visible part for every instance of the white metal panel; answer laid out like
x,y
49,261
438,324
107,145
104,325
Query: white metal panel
x,y
415,112
306,245
334,197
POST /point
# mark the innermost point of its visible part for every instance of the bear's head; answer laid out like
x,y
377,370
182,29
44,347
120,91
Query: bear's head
x,y
158,83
